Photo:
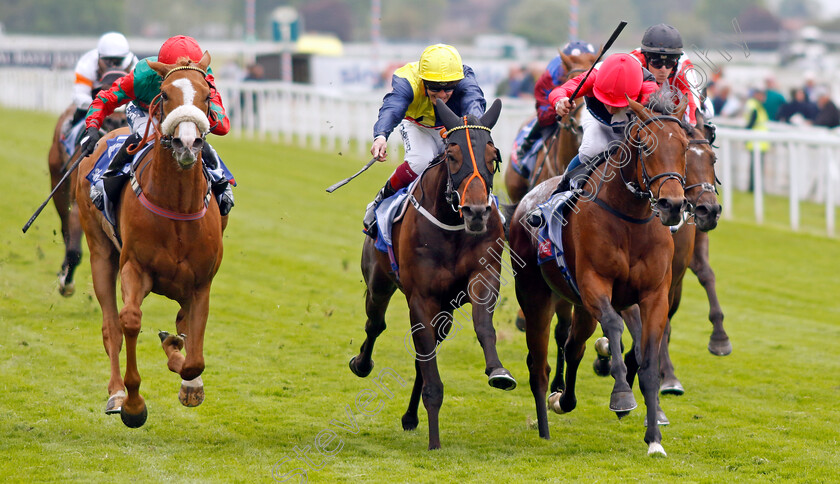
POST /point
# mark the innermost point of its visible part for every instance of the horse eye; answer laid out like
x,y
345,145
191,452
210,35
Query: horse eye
x,y
164,96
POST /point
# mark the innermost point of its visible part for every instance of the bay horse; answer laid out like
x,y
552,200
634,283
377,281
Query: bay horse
x,y
617,258
64,198
168,240
560,147
447,249
691,250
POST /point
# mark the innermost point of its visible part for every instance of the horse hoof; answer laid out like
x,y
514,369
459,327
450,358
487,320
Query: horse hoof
x,y
671,387
602,346
67,290
601,366
501,379
661,418
192,392
554,403
655,449
409,422
134,421
720,347
114,404
622,402
359,372
520,323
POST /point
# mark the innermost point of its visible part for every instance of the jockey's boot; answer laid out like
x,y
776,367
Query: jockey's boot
x,y
113,179
369,221
528,142
78,115
575,169
219,184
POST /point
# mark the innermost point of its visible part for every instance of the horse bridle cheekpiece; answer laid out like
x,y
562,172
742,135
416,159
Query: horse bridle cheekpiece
x,y
647,179
471,145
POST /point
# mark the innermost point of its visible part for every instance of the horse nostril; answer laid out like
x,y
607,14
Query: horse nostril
x,y
177,143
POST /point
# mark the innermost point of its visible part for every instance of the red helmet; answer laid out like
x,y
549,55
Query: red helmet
x,y
620,74
179,46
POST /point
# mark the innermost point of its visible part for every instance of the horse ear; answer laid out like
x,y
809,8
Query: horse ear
x,y
681,107
492,115
637,108
160,68
205,61
450,119
701,121
567,62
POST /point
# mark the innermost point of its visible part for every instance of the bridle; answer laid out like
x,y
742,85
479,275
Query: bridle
x,y
646,192
472,170
705,187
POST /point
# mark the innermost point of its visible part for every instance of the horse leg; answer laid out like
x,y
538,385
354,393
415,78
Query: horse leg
x,y
71,232
670,384
191,393
563,310
104,261
653,308
378,294
409,419
483,299
135,287
192,320
633,320
719,341
583,325
423,311
600,306
534,298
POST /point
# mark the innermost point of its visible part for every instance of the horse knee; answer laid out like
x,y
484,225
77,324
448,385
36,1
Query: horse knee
x,y
130,321
432,395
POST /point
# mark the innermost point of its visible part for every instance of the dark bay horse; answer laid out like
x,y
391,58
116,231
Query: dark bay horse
x,y
64,198
445,259
168,240
617,258
561,147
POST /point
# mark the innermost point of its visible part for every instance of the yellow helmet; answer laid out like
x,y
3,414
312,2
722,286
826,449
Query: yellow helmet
x,y
441,63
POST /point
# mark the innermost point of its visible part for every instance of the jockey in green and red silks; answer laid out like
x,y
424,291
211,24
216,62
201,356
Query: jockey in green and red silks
x,y
138,89
142,85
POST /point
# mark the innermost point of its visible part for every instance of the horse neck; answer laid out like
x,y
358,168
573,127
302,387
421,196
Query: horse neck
x,y
614,192
167,185
433,189
568,147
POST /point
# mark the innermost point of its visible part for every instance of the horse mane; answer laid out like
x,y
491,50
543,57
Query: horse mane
x,y
666,101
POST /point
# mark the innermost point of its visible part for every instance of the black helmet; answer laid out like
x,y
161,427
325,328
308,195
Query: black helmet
x,y
662,39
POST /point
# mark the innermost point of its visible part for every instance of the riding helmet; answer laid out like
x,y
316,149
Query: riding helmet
x,y
662,39
441,63
113,45
179,46
618,75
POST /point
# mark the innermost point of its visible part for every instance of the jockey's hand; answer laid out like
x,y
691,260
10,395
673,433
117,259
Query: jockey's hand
x,y
88,142
379,149
563,106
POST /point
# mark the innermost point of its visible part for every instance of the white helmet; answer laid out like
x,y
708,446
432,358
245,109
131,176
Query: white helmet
x,y
113,44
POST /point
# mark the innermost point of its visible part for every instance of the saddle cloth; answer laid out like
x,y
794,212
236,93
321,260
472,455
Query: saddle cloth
x,y
68,139
550,234
525,166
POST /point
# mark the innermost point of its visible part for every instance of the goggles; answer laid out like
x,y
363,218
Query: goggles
x,y
440,86
110,62
660,62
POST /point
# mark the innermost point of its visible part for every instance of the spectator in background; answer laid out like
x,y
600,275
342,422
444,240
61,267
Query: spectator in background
x,y
774,99
518,83
756,117
255,73
725,103
828,114
798,110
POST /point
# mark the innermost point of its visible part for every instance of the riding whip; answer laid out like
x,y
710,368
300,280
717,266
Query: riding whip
x,y
57,185
606,47
333,188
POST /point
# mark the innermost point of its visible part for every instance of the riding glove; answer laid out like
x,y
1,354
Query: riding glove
x,y
88,142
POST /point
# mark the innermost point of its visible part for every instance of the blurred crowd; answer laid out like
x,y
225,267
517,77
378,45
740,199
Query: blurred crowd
x,y
808,104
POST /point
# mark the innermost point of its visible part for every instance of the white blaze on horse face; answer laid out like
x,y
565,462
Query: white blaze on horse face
x,y
187,112
697,150
187,89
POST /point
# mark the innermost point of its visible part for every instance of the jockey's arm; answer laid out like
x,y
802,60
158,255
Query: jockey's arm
x,y
219,122
472,101
105,102
85,74
394,106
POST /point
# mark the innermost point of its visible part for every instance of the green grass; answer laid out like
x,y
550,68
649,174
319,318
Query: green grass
x,y
287,314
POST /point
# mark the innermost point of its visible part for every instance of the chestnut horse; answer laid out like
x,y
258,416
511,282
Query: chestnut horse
x,y
168,240
64,198
617,259
444,260
561,147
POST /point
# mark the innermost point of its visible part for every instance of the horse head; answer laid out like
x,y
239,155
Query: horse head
x,y
700,176
471,161
574,64
661,148
185,104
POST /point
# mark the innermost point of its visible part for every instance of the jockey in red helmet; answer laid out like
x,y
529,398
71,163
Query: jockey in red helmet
x,y
606,113
138,89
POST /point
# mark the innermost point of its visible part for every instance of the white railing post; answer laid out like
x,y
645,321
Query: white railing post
x,y
727,181
794,187
830,181
758,182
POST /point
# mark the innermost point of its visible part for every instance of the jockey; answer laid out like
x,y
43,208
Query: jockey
x,y
662,54
410,105
111,54
606,114
138,89
550,78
